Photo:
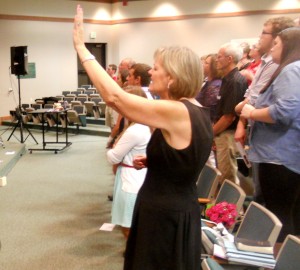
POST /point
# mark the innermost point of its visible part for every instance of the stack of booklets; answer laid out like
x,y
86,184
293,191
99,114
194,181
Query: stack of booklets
x,y
260,259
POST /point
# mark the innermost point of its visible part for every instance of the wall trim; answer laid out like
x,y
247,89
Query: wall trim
x,y
150,19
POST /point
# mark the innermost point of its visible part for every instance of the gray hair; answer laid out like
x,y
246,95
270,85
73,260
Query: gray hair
x,y
234,50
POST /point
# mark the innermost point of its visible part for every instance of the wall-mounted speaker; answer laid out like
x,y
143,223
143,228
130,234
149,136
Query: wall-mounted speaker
x,y
19,60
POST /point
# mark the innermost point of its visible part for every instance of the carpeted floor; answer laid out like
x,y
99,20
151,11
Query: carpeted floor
x,y
53,206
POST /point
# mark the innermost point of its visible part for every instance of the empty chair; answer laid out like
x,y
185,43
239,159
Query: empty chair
x,y
65,93
13,115
36,106
269,225
102,106
40,101
77,116
80,109
288,257
82,99
71,95
95,96
60,97
210,264
231,193
48,106
86,86
88,92
89,108
25,105
75,102
69,99
96,100
80,89
28,114
96,111
76,93
207,182
83,95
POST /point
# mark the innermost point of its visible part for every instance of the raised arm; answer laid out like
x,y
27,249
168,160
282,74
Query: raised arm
x,y
170,115
158,114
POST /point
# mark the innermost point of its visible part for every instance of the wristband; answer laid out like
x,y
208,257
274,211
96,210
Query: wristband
x,y
88,58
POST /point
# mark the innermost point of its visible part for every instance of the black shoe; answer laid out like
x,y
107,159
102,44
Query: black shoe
x,y
110,198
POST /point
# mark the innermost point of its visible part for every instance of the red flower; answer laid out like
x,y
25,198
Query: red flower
x,y
222,212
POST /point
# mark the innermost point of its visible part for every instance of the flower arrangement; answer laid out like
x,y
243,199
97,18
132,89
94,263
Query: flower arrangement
x,y
222,212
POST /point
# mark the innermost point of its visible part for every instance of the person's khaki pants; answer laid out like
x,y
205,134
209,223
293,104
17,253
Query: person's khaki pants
x,y
226,156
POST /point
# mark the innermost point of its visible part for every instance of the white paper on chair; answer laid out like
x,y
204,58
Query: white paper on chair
x,y
10,153
219,252
107,227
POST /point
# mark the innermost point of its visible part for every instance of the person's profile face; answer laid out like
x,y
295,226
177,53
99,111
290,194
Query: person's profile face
x,y
131,80
206,66
159,78
276,50
266,39
222,59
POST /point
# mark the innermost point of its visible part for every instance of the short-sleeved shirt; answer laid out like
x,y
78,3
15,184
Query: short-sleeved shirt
x,y
231,93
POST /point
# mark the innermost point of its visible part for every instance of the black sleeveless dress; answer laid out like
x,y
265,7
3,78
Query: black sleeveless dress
x,y
166,230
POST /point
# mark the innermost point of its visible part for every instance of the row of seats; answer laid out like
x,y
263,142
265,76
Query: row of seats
x,y
76,114
269,225
79,91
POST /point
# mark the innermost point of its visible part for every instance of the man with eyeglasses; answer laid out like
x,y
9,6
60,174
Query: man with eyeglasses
x,y
263,74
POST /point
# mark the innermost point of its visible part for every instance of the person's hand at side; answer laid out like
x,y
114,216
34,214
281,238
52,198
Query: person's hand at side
x,y
140,162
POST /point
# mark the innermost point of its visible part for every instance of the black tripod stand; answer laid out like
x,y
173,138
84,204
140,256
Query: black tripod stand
x,y
20,122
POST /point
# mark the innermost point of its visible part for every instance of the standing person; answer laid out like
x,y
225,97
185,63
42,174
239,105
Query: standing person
x,y
112,71
139,75
262,76
208,95
132,142
165,231
231,93
126,64
275,135
245,61
250,71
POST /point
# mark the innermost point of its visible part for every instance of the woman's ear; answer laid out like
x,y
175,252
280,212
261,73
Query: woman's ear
x,y
170,82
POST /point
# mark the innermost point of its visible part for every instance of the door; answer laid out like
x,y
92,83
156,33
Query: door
x,y
99,51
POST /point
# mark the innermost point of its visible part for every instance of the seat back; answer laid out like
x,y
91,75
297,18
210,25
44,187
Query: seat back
x,y
210,264
231,193
96,100
36,106
288,257
259,224
80,109
82,99
89,107
65,93
207,182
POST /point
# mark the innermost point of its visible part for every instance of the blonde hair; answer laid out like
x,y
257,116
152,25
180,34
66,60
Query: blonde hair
x,y
184,68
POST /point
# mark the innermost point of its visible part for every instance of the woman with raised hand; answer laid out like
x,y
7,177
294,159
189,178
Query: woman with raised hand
x,y
275,134
165,231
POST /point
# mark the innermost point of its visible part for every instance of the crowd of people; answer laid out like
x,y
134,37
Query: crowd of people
x,y
169,121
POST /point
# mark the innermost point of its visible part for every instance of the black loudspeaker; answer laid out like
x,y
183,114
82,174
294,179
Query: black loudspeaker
x,y
19,60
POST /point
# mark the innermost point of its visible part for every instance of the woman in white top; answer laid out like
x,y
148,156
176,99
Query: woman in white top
x,y
131,143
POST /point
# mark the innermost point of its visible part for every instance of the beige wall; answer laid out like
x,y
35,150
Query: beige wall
x,y
50,42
